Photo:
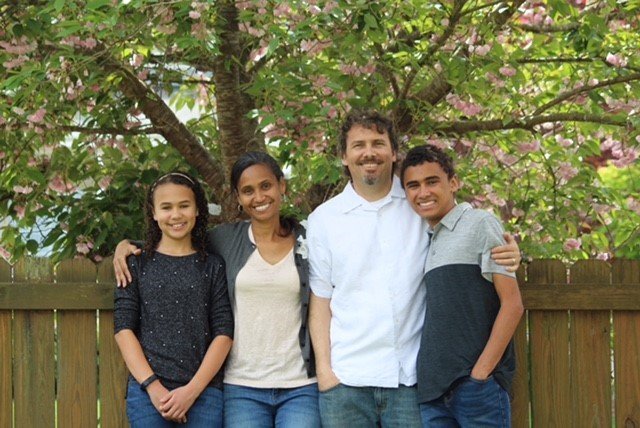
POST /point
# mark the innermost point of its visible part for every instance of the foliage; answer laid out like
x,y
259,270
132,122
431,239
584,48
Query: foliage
x,y
538,101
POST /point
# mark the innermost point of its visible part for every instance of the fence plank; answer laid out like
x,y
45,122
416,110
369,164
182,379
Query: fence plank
x,y
590,353
521,396
626,328
34,364
77,361
549,336
112,371
56,296
6,380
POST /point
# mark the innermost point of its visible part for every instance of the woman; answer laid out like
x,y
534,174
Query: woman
x,y
270,373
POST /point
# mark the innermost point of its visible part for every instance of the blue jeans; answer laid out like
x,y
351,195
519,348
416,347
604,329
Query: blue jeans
x,y
206,411
470,403
355,407
246,407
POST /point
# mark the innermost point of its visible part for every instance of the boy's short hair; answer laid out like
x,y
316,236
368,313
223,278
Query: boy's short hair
x,y
427,153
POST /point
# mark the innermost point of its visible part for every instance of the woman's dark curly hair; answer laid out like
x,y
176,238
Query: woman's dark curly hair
x,y
249,159
199,232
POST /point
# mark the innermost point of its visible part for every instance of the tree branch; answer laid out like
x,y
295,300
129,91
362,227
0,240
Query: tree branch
x,y
548,29
446,34
467,126
570,94
164,120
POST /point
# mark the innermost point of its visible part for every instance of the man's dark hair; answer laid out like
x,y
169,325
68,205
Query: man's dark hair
x,y
369,119
427,153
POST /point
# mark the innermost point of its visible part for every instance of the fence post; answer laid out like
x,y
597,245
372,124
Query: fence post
x,y
34,365
77,353
112,371
591,352
626,328
6,378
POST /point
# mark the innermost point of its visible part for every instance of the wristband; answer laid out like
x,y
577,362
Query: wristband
x,y
148,381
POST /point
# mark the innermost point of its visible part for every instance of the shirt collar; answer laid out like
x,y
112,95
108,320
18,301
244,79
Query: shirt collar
x,y
451,219
351,200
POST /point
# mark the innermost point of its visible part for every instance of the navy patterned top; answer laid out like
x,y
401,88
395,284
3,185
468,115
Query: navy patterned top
x,y
176,306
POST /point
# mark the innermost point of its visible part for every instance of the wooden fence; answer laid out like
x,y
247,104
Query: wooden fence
x,y
578,347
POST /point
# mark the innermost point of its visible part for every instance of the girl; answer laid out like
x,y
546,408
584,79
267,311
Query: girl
x,y
174,325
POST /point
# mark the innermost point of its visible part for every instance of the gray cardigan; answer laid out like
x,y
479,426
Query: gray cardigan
x,y
232,242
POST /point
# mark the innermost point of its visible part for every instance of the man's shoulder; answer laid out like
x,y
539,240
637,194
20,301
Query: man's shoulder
x,y
329,207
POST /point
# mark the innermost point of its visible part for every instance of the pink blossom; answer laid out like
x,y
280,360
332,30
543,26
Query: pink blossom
x,y
18,47
143,75
314,47
480,50
616,60
5,254
137,60
2,154
604,256
566,171
19,209
572,244
283,10
330,6
14,63
57,184
507,71
84,247
517,212
19,111
532,146
564,142
104,183
495,80
25,190
633,204
194,14
37,117
257,54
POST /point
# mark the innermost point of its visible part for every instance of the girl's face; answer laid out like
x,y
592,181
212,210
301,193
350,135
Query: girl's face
x,y
174,209
260,193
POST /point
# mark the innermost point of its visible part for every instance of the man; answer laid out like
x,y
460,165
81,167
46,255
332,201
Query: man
x,y
466,360
367,252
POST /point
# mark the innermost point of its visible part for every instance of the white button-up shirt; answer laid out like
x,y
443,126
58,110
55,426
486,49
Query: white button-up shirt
x,y
368,258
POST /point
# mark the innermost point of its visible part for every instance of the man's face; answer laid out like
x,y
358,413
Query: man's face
x,y
369,157
429,191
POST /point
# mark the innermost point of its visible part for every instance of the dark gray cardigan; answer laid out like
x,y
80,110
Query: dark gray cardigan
x,y
232,242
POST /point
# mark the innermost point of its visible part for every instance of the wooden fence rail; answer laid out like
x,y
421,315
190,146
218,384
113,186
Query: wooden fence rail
x,y
578,347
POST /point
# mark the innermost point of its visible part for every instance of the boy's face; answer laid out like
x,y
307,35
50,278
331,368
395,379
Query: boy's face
x,y
429,191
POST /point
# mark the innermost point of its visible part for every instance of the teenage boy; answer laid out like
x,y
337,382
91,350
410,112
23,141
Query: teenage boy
x,y
466,359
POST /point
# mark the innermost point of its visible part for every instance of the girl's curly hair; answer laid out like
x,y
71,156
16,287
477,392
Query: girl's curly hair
x,y
199,231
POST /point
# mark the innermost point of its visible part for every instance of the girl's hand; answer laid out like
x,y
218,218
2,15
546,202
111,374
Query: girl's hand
x,y
123,249
157,392
175,405
507,255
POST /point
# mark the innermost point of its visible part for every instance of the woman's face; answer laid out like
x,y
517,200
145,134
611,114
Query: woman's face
x,y
260,192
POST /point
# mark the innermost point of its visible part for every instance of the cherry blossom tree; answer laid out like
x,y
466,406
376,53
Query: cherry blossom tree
x,y
538,102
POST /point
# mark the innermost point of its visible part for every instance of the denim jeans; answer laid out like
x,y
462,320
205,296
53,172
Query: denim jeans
x,y
206,411
355,407
470,403
246,407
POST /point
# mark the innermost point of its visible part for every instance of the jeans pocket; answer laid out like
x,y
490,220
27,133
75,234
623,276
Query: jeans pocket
x,y
333,388
480,381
